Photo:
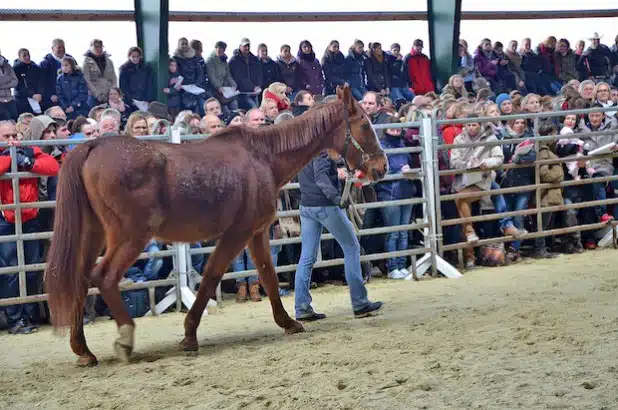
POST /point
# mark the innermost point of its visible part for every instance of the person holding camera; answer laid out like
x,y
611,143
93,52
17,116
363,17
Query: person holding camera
x,y
34,160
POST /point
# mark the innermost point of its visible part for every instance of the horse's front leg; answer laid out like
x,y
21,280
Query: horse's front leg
x,y
227,248
260,252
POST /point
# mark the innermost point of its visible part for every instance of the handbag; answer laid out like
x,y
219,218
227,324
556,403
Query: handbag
x,y
290,225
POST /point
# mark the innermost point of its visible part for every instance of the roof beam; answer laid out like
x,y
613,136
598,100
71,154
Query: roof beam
x,y
207,16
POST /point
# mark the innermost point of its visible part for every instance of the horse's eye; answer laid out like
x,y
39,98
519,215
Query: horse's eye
x,y
365,126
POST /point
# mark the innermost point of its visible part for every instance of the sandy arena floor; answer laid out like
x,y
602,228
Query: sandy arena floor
x,y
541,335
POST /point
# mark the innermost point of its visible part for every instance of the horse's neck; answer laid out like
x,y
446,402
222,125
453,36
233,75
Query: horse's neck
x,y
288,164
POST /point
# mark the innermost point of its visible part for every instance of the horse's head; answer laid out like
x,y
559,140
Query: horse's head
x,y
357,141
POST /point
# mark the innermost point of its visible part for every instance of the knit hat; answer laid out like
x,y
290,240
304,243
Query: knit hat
x,y
37,125
566,131
502,98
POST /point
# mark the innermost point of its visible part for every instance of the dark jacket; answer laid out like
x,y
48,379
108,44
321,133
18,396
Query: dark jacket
x,y
566,66
398,73
319,184
174,98
402,188
30,80
290,73
531,62
596,62
355,70
312,78
246,71
333,65
72,91
137,82
378,78
191,70
270,73
51,69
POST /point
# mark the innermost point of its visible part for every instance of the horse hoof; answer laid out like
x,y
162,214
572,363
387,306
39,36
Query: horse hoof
x,y
189,345
295,327
87,361
124,344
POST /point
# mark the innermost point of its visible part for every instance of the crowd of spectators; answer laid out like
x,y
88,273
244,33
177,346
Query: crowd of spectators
x,y
60,99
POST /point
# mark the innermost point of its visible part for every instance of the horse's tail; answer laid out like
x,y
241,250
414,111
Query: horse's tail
x,y
65,281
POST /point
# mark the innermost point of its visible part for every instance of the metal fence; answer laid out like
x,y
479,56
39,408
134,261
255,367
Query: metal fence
x,y
182,278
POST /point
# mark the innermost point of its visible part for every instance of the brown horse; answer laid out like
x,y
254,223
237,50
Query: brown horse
x,y
120,192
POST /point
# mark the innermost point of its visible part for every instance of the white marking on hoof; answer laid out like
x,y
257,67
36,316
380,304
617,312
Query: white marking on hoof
x,y
124,344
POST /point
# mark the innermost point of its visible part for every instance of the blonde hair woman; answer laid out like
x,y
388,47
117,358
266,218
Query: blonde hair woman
x,y
456,87
276,92
137,126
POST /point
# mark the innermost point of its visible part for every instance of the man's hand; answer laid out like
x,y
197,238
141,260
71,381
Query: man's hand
x,y
37,97
483,167
54,98
342,174
69,110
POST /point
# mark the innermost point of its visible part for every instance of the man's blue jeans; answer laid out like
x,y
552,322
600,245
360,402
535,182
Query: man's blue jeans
x,y
9,284
517,202
500,207
312,220
358,93
396,241
239,263
401,93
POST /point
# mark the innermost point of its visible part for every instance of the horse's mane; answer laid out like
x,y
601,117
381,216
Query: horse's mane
x,y
289,135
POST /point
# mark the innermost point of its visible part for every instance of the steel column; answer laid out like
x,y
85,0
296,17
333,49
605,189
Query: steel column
x,y
444,17
152,25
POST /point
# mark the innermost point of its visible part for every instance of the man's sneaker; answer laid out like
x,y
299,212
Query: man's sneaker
x,y
396,274
514,232
368,310
22,328
404,272
310,317
470,265
543,254
472,238
590,245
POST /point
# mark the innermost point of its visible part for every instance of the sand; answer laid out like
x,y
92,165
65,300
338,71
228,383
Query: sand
x,y
534,335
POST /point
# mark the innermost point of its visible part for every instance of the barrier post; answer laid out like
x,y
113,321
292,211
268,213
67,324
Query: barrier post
x,y
429,163
181,293
21,260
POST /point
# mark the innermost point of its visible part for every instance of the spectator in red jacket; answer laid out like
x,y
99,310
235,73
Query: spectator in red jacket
x,y
29,159
419,69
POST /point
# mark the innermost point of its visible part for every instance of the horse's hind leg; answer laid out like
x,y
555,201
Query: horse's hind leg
x,y
93,242
118,258
260,252
228,246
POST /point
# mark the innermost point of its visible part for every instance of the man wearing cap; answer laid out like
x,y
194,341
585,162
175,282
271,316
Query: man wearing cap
x,y
29,159
247,73
595,62
220,76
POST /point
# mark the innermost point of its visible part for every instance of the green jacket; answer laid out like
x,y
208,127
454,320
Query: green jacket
x,y
219,72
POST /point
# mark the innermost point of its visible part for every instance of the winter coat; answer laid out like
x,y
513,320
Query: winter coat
x,y
246,71
419,72
51,69
484,65
378,77
491,156
595,62
566,66
466,68
72,91
290,73
45,165
312,78
355,70
531,63
614,55
174,98
520,176
191,69
550,174
398,189
8,80
270,73
548,59
602,166
30,80
219,72
99,81
397,71
137,82
333,65
319,183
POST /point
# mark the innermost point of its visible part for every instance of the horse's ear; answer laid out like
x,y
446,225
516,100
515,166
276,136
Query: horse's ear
x,y
348,99
339,93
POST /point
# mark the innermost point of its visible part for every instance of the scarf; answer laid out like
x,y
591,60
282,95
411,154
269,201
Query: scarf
x,y
190,53
515,58
307,57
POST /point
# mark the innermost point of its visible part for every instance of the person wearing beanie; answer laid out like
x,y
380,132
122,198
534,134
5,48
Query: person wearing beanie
x,y
503,101
232,119
29,159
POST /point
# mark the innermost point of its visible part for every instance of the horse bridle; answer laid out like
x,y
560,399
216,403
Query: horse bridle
x,y
349,138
